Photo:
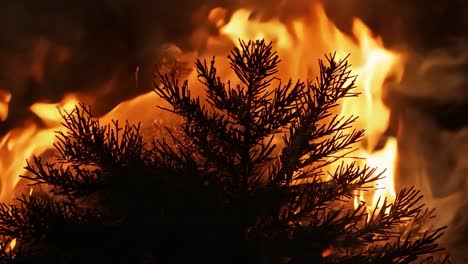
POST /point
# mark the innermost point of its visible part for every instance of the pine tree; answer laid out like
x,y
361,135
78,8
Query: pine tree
x,y
243,180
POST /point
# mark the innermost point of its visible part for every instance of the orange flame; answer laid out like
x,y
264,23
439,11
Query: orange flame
x,y
5,98
299,43
22,143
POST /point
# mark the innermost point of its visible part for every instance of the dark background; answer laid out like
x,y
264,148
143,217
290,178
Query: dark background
x,y
108,39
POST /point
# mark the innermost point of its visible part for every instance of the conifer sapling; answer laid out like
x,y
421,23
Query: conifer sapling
x,y
244,180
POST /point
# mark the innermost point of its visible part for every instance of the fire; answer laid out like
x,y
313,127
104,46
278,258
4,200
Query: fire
x,y
31,139
11,245
299,43
5,98
239,28
304,40
48,112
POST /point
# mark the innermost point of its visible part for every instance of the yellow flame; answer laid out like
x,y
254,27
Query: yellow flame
x,y
21,143
272,30
300,43
5,98
49,113
11,245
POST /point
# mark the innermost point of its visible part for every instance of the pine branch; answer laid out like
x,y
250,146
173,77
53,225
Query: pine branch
x,y
211,134
308,141
254,64
34,217
86,142
236,139
404,250
7,255
72,181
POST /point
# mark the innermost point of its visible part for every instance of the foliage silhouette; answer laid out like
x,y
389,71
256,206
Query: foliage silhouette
x,y
244,180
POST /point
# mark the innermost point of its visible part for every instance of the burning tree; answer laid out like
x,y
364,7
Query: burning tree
x,y
244,179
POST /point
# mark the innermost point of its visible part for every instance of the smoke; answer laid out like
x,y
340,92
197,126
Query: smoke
x,y
430,103
435,161
418,25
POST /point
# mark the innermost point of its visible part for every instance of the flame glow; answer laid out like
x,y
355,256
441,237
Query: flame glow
x,y
304,40
11,245
23,142
5,98
299,43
